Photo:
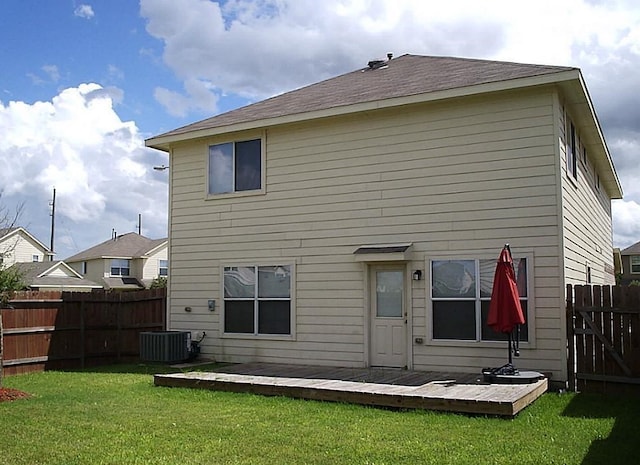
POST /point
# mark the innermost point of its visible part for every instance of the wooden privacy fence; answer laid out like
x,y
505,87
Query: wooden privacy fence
x,y
47,330
603,330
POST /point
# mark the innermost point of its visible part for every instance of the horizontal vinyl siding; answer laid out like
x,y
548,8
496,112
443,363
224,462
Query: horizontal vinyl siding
x,y
456,180
18,249
587,224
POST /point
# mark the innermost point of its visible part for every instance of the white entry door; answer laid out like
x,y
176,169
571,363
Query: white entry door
x,y
388,317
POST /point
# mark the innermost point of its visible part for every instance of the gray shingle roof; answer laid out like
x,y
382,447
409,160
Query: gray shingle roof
x,y
31,272
404,76
130,245
632,250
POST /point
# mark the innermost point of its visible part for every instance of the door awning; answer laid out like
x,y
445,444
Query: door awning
x,y
383,253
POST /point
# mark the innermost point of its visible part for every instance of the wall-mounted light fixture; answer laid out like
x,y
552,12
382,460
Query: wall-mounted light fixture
x,y
417,275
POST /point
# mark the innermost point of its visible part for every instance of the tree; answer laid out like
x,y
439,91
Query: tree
x,y
10,277
158,283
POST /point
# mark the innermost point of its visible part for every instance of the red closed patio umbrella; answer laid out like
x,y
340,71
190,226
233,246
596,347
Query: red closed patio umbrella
x,y
505,311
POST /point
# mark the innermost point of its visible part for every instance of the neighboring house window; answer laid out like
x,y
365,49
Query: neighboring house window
x,y
84,268
571,149
257,299
35,258
163,269
635,263
119,267
461,296
235,167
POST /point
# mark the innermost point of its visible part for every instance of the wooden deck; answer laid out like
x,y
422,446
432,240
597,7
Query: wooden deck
x,y
451,392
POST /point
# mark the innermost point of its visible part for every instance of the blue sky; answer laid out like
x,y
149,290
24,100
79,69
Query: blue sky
x,y
83,83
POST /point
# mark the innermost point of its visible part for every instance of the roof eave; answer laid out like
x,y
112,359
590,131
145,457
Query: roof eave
x,y
164,143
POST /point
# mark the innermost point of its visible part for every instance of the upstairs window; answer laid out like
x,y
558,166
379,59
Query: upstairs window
x,y
235,167
35,258
635,263
120,267
572,168
163,268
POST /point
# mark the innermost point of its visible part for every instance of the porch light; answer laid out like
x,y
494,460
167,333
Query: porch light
x,y
417,275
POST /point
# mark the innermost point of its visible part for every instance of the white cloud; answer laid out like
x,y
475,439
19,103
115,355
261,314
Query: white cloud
x,y
98,164
52,72
200,97
84,11
626,222
115,73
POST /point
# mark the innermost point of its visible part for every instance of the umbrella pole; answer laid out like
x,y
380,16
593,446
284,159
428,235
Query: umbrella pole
x,y
510,355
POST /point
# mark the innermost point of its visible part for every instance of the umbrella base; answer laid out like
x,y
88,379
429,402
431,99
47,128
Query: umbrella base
x,y
508,374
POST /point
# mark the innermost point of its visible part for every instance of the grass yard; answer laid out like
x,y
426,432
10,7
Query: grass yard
x,y
116,415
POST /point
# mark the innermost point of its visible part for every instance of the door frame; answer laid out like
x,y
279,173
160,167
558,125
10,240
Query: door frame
x,y
368,269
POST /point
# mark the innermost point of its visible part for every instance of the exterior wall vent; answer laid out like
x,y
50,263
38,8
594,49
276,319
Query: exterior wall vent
x,y
165,346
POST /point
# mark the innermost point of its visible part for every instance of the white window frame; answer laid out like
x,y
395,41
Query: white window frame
x,y
292,307
120,268
263,142
35,258
478,299
636,259
166,268
571,148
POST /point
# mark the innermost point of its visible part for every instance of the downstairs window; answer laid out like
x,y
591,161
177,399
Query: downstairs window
x,y
257,300
461,295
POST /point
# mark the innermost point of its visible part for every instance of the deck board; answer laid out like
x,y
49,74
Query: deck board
x,y
453,392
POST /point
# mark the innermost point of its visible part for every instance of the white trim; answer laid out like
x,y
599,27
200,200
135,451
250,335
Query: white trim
x,y
292,301
234,140
479,342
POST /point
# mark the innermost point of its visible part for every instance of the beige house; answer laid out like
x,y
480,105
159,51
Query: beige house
x,y
126,262
630,264
18,245
357,221
54,276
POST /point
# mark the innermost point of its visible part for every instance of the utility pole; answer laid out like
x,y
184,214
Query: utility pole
x,y
53,221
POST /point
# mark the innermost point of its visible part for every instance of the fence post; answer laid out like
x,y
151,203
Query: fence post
x,y
571,347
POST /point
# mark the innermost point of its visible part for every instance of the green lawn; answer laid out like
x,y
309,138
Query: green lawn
x,y
117,416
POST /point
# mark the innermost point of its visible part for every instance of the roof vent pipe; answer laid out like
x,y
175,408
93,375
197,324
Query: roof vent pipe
x,y
377,64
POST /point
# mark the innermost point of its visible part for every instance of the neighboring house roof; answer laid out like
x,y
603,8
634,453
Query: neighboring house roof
x,y
128,246
125,282
405,80
632,250
7,233
56,274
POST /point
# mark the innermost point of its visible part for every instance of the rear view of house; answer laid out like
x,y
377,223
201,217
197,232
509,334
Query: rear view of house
x,y
357,221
